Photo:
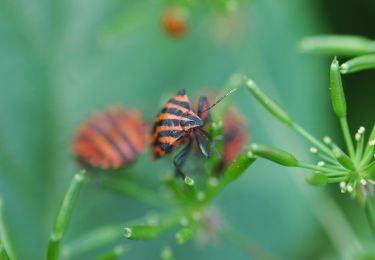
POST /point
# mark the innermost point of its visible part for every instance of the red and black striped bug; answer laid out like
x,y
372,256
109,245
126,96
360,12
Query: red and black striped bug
x,y
111,139
178,124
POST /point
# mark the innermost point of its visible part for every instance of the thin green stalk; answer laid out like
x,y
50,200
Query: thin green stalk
x,y
347,137
371,137
359,149
330,160
318,168
370,214
6,244
337,179
63,216
300,130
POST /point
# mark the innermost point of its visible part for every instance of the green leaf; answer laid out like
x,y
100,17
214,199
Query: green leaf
x,y
360,63
274,154
343,45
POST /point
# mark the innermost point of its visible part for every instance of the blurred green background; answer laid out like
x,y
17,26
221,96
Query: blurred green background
x,y
62,60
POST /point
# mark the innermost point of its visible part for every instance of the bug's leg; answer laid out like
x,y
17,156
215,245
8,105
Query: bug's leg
x,y
200,143
180,158
212,141
202,105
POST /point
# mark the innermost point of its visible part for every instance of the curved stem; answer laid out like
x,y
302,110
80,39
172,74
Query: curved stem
x,y
300,130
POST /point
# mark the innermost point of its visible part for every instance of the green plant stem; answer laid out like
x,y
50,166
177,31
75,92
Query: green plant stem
x,y
347,137
330,160
370,214
300,130
337,179
247,245
319,168
63,216
359,150
7,246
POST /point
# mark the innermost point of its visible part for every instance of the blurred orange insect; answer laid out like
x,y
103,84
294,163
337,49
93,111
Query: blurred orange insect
x,y
235,137
111,139
174,21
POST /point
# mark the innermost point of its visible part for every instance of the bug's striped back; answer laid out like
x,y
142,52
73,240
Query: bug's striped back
x,y
111,139
173,124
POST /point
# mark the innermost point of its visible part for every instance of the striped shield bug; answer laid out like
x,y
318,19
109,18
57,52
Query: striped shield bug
x,y
177,124
111,139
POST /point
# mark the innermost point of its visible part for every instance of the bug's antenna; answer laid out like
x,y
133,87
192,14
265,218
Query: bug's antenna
x,y
220,99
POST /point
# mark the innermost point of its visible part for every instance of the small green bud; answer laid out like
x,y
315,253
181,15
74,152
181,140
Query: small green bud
x,y
342,158
268,103
166,253
359,63
189,181
183,235
274,154
336,89
128,232
317,179
142,232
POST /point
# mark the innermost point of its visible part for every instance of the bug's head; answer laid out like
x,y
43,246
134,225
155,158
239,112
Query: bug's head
x,y
189,126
